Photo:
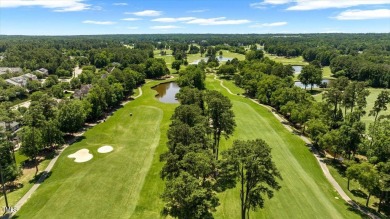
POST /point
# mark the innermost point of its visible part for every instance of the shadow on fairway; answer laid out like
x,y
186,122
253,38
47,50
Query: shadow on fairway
x,y
41,177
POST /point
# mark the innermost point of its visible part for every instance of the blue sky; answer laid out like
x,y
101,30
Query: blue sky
x,y
81,17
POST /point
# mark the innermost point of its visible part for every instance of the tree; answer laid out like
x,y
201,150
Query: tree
x,y
228,70
193,77
50,81
367,176
310,74
316,128
351,132
31,144
156,68
384,184
57,91
334,96
331,142
33,85
250,164
380,104
379,149
355,94
187,96
71,116
254,55
51,134
187,197
221,117
176,65
352,173
97,98
10,170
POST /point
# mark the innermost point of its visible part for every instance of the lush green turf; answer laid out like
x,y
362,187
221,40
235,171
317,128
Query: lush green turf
x,y
228,54
326,73
109,185
287,61
305,191
126,182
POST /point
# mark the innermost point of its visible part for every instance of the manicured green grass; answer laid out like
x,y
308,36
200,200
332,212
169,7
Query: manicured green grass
x,y
126,182
326,73
305,191
287,61
228,54
109,185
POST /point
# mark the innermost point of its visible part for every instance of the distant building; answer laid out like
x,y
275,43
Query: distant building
x,y
21,81
5,70
30,76
13,126
82,92
43,71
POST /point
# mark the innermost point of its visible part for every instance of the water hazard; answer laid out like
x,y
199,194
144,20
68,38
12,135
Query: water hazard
x,y
167,92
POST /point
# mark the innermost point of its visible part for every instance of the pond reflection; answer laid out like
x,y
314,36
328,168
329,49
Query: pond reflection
x,y
167,92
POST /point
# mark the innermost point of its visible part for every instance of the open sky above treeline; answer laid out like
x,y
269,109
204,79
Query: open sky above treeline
x,y
83,17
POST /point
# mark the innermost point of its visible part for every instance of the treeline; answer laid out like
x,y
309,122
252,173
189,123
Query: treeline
x,y
193,171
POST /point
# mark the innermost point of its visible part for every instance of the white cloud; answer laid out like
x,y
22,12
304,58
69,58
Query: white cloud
x,y
261,5
258,5
120,4
146,13
217,21
57,5
131,19
171,20
275,24
304,5
198,11
363,14
132,28
164,27
99,22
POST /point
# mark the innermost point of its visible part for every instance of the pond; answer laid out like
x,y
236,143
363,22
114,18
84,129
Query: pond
x,y
167,92
297,69
299,84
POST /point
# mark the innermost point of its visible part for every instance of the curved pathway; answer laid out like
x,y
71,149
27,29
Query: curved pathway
x,y
320,160
26,196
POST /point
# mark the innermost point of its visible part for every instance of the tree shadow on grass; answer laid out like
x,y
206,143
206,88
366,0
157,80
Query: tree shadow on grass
x,y
356,211
40,177
314,92
341,169
354,207
359,193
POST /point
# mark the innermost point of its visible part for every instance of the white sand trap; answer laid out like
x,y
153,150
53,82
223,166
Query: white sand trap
x,y
81,156
105,149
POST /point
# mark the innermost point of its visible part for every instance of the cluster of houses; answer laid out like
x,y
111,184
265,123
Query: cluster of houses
x,y
22,80
5,70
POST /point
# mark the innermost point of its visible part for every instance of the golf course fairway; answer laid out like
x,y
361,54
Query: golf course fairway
x,y
125,183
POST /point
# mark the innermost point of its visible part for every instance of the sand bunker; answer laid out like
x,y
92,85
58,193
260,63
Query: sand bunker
x,y
105,149
81,156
